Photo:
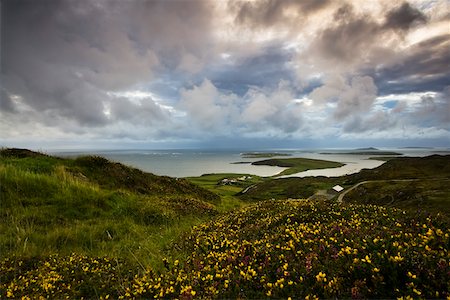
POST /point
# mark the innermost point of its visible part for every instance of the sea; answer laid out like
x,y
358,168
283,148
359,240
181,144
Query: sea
x,y
196,162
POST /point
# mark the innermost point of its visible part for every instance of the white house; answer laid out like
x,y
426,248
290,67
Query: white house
x,y
338,188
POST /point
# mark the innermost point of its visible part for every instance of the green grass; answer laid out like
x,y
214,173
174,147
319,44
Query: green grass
x,y
228,193
285,188
425,195
93,207
296,165
433,166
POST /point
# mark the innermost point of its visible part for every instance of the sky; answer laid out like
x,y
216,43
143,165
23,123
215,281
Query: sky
x,y
224,74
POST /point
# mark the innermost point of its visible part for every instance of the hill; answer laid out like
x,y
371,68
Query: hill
x,y
406,168
91,228
428,193
92,206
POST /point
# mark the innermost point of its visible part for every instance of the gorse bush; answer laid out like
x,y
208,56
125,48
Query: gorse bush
x,y
299,249
59,276
279,249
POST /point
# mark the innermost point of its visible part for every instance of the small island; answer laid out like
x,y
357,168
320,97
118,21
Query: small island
x,y
297,164
262,154
364,153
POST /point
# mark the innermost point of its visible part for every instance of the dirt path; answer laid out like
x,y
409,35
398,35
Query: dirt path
x,y
321,194
341,196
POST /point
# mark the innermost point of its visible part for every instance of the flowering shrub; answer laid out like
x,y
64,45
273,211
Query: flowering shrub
x,y
58,276
279,249
297,248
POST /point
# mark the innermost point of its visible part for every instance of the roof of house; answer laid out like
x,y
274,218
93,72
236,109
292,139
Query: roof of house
x,y
338,188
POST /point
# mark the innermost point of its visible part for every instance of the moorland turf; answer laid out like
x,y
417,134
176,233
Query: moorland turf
x,y
92,228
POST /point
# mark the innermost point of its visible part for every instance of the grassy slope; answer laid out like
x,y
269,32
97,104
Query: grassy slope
x,y
276,249
227,193
406,168
271,248
435,166
296,165
383,158
285,188
423,195
93,206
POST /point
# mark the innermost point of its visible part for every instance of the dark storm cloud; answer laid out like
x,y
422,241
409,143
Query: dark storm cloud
x,y
350,38
264,69
170,28
423,67
356,43
6,104
62,57
355,39
404,17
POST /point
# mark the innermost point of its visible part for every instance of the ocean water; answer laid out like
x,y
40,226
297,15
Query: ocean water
x,y
184,163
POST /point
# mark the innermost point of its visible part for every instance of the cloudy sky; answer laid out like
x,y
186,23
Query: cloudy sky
x,y
191,73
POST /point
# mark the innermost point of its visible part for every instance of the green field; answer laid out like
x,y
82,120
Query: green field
x,y
297,164
92,228
227,193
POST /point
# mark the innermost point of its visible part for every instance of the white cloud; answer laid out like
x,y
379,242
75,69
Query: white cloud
x,y
353,96
257,111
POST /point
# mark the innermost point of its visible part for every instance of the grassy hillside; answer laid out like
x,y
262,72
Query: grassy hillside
x,y
106,174
424,195
285,188
434,166
213,183
97,229
92,206
273,249
430,167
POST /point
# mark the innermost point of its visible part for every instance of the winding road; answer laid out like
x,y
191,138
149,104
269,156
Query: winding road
x,y
341,196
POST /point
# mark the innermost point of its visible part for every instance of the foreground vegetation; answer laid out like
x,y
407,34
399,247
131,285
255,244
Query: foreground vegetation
x,y
274,249
93,207
92,228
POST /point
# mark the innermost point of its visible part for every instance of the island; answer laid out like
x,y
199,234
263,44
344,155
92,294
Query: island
x,y
297,164
263,154
364,153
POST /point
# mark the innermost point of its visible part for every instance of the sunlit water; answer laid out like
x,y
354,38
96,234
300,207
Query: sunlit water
x,y
184,163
